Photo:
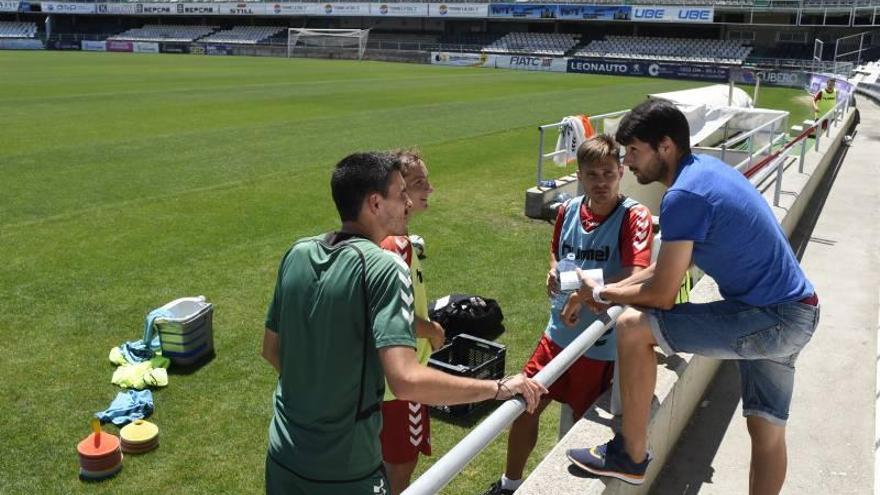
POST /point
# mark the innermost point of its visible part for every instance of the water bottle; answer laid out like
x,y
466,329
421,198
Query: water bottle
x,y
571,283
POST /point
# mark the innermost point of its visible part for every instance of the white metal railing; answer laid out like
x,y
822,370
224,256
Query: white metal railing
x,y
840,68
775,162
442,472
597,123
764,128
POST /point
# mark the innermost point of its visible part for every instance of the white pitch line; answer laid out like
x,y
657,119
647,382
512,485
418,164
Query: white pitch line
x,y
877,407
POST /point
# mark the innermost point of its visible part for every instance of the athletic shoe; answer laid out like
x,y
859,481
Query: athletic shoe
x,y
611,460
495,489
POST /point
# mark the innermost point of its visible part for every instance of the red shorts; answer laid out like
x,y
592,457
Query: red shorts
x,y
406,431
578,387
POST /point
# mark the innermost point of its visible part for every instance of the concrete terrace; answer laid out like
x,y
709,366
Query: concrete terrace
x,y
828,212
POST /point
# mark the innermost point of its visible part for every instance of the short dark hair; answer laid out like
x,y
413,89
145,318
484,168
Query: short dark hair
x,y
359,175
652,120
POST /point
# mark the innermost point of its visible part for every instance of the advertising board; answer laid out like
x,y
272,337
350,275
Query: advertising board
x,y
667,13
477,10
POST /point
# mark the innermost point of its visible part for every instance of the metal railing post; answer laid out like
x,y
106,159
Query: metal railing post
x,y
751,146
803,155
818,133
777,191
540,156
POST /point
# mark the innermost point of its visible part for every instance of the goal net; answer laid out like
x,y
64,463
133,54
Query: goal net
x,y
327,42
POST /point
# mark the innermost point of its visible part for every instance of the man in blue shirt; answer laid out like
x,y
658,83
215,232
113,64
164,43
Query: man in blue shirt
x,y
713,217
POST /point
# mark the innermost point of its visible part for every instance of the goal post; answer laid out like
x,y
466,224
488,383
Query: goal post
x,y
327,41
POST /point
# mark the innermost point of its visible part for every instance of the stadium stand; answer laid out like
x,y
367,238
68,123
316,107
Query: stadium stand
x,y
154,32
18,29
402,41
534,43
244,35
667,49
468,41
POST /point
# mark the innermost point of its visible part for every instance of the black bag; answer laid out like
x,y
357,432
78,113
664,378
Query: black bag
x,y
468,314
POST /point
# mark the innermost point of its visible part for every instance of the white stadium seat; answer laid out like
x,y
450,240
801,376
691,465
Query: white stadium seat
x,y
728,52
244,35
18,29
555,44
152,32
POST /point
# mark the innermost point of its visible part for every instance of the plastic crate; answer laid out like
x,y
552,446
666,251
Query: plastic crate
x,y
469,357
187,337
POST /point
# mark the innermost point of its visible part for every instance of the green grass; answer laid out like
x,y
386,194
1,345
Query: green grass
x,y
130,180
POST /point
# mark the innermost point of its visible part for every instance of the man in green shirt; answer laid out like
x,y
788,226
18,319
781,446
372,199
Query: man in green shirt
x,y
340,321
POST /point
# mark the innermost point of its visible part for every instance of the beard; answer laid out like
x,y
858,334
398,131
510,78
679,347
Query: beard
x,y
656,170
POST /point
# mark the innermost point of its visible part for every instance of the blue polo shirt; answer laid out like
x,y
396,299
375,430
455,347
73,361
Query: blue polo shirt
x,y
737,239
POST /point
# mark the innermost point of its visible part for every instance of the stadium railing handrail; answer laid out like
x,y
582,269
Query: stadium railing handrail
x,y
844,68
448,466
775,161
595,120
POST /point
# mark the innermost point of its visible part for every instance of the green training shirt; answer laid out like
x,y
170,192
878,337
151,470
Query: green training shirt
x,y
322,316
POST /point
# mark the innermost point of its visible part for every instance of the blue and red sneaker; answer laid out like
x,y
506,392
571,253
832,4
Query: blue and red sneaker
x,y
610,459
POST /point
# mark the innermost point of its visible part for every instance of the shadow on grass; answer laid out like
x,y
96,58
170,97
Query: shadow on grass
x,y
189,369
467,419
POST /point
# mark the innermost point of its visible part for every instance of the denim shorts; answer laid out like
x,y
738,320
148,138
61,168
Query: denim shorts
x,y
765,342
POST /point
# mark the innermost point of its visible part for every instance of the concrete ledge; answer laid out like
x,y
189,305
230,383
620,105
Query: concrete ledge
x,y
538,197
681,379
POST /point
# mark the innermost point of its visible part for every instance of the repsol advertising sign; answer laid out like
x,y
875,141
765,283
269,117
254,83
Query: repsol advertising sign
x,y
665,13
649,69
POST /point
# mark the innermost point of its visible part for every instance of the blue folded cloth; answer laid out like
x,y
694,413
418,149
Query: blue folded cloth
x,y
137,351
127,407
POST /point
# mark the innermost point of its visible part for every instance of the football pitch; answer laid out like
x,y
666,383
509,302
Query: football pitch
x,y
130,180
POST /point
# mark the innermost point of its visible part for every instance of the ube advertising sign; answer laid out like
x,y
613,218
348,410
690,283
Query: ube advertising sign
x,y
649,69
666,13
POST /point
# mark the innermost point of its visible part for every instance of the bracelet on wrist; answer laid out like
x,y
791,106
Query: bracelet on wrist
x,y
502,384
